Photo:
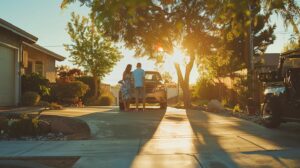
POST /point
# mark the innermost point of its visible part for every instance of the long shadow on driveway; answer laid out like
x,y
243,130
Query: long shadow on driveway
x,y
225,141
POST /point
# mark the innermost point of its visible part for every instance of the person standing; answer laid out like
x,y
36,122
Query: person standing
x,y
125,89
139,78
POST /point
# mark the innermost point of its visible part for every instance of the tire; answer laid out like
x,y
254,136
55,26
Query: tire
x,y
271,113
121,106
163,106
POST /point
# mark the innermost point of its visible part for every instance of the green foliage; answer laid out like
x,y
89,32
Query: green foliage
x,y
90,48
237,109
23,125
106,100
88,80
30,98
70,92
166,76
205,89
200,27
219,64
242,91
103,100
224,102
291,46
36,83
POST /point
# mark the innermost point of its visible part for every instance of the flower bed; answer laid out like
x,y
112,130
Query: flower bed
x,y
42,127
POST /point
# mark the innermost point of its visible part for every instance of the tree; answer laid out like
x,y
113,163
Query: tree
x,y
90,49
167,77
241,16
292,45
148,25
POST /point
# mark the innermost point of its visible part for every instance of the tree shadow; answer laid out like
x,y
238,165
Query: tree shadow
x,y
255,140
124,132
210,151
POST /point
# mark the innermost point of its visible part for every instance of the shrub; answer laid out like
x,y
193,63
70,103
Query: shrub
x,y
236,109
35,83
205,89
90,82
30,98
24,125
70,92
106,100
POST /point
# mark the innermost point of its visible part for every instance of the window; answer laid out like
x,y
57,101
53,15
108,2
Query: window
x,y
152,76
39,68
29,68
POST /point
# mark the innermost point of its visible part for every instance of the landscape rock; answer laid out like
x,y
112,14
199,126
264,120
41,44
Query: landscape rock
x,y
215,106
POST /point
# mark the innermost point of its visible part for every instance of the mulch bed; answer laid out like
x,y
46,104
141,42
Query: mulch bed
x,y
72,128
62,128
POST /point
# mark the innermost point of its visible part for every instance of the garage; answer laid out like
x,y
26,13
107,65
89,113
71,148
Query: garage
x,y
7,76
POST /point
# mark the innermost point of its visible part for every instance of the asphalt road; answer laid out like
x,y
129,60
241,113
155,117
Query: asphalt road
x,y
171,138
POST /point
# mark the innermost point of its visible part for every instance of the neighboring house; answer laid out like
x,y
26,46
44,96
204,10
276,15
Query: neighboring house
x,y
268,62
40,60
18,55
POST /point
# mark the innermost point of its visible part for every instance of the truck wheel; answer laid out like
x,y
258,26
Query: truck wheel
x,y
121,106
163,106
271,113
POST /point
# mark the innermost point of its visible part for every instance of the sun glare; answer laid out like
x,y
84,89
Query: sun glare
x,y
178,56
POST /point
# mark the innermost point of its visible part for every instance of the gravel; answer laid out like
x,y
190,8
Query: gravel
x,y
48,137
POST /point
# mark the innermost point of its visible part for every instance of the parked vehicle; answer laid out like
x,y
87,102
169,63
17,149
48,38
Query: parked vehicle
x,y
155,91
282,93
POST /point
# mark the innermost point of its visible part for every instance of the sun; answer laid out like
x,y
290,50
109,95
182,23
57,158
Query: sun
x,y
178,56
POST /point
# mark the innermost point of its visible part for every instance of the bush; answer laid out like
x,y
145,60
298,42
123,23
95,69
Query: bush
x,y
26,126
30,98
35,83
236,109
106,100
70,92
205,89
90,82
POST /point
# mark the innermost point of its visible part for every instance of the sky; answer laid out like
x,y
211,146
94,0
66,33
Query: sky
x,y
47,21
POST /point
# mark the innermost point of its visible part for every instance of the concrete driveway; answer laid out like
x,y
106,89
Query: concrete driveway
x,y
172,138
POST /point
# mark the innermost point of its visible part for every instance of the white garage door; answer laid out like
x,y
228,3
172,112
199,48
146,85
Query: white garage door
x,y
7,77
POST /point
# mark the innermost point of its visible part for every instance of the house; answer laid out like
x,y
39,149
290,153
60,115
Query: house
x,y
20,55
268,62
40,60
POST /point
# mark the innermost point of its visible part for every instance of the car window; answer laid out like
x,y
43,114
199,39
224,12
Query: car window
x,y
152,77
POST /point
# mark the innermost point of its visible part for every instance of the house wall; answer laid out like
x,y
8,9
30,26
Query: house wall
x,y
48,62
10,40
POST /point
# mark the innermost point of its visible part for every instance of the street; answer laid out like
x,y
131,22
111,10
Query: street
x,y
172,138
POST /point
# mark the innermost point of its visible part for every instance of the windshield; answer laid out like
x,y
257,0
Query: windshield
x,y
290,63
151,76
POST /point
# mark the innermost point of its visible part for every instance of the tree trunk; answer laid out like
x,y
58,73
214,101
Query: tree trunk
x,y
96,85
185,81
